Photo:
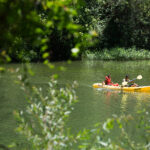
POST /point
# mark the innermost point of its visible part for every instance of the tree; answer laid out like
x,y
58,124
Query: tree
x,y
29,28
119,23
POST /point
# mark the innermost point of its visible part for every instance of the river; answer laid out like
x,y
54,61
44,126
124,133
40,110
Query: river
x,y
94,105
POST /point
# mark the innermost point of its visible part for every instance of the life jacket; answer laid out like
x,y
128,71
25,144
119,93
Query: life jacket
x,y
107,80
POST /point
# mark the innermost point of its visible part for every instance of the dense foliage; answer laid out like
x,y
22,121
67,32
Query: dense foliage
x,y
31,27
124,23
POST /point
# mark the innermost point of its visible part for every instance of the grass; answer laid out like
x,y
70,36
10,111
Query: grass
x,y
117,54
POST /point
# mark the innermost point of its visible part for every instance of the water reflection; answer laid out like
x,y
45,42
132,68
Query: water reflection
x,y
125,101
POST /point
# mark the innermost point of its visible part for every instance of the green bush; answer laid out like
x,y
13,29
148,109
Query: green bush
x,y
117,54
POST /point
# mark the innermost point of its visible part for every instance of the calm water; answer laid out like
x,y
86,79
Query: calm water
x,y
93,106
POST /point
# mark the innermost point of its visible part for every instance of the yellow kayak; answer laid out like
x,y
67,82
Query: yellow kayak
x,y
133,89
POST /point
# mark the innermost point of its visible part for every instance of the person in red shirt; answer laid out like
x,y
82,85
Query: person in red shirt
x,y
109,82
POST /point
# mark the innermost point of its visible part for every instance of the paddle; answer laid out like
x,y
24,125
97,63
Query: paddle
x,y
139,77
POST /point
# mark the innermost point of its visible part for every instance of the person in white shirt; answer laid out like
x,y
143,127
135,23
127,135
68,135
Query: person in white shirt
x,y
128,83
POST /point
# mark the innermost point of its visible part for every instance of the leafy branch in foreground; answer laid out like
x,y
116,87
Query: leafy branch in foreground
x,y
43,122
99,137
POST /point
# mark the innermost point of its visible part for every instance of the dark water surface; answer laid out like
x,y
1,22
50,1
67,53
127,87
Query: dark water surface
x,y
93,106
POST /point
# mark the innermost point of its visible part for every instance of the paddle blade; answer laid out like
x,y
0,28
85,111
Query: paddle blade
x,y
139,77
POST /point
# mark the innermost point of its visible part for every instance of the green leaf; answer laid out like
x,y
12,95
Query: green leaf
x,y
2,69
43,48
45,55
72,26
38,30
55,76
51,66
12,145
46,62
49,23
110,124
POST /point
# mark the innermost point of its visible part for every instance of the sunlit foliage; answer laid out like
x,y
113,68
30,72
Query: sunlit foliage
x,y
31,27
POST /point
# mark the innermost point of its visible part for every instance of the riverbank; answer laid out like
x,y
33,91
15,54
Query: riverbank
x,y
117,54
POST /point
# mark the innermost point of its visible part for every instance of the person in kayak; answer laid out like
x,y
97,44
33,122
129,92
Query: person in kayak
x,y
128,83
109,82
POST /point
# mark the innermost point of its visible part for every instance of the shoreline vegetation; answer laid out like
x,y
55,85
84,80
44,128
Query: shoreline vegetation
x,y
117,54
